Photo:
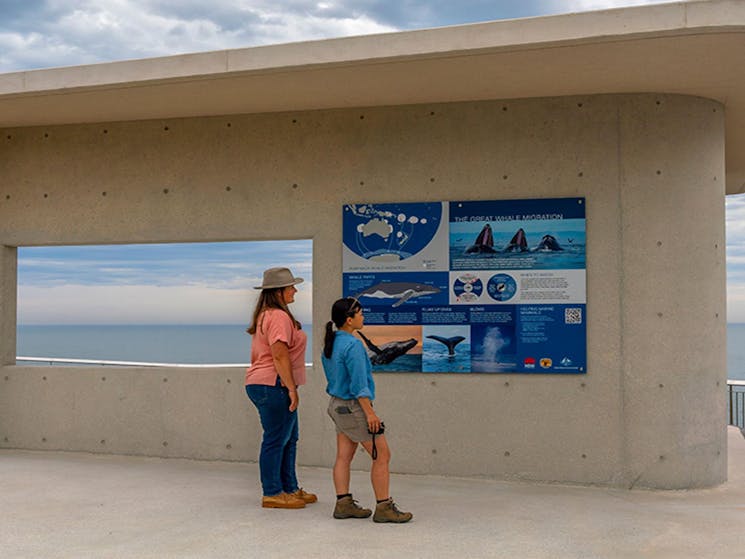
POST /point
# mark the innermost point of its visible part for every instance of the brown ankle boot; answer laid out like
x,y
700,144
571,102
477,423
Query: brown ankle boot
x,y
282,501
388,512
346,507
309,498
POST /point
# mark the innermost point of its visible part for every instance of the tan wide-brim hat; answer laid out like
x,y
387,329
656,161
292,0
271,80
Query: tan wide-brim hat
x,y
275,278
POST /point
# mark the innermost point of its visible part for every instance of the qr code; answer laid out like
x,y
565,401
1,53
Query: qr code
x,y
573,316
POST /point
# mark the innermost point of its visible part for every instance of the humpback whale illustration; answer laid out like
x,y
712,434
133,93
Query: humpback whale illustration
x,y
386,352
484,241
548,243
449,342
518,243
398,290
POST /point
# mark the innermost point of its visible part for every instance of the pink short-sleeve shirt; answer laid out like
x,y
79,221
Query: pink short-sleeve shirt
x,y
275,325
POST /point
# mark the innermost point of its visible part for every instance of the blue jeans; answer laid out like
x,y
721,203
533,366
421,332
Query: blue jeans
x,y
279,443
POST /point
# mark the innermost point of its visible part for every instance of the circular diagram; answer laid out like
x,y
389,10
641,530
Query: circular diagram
x,y
501,287
467,288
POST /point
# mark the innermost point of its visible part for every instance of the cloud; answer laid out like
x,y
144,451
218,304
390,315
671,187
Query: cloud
x,y
184,283
234,265
144,304
42,34
48,34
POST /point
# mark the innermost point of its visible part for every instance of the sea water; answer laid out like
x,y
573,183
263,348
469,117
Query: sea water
x,y
202,344
192,344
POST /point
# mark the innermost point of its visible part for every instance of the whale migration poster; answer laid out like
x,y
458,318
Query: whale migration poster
x,y
489,286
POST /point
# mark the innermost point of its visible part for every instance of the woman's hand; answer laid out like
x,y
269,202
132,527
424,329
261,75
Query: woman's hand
x,y
294,399
373,422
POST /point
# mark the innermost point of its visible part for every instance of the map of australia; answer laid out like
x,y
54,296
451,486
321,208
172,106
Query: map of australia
x,y
390,232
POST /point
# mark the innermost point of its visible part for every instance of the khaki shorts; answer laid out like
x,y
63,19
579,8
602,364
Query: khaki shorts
x,y
349,419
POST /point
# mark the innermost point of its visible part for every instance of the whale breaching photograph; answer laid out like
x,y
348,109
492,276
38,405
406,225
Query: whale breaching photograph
x,y
393,348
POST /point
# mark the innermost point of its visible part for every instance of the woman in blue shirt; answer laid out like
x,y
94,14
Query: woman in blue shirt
x,y
352,390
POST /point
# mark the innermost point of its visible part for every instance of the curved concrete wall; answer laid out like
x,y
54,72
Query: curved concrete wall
x,y
649,412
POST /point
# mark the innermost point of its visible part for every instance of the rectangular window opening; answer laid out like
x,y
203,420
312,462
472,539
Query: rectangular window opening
x,y
183,304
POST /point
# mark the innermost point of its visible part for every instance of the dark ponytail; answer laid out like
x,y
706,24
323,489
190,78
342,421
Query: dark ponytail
x,y
328,340
340,311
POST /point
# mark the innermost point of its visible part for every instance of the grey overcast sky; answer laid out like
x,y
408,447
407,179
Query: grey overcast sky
x,y
52,33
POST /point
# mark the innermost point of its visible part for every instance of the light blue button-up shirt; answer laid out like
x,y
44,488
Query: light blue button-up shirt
x,y
348,371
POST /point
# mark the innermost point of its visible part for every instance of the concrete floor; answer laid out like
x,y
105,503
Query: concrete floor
x,y
61,505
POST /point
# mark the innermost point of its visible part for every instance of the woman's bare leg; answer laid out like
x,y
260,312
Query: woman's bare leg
x,y
379,474
345,449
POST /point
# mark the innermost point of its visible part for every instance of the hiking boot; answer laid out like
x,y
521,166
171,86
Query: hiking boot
x,y
282,501
387,512
308,498
346,507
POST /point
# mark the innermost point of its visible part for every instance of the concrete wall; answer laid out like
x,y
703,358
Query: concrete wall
x,y
649,412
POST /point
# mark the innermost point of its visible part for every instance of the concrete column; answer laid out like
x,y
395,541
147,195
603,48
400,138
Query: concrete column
x,y
8,296
672,291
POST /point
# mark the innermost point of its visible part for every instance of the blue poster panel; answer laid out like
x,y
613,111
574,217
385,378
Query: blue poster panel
x,y
492,286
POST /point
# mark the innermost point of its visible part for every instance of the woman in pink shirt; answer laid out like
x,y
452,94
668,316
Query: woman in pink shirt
x,y
277,369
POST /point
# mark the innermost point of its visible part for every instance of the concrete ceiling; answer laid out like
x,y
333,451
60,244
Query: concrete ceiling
x,y
689,48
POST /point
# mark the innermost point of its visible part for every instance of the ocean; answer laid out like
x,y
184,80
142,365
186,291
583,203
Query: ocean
x,y
202,344
192,344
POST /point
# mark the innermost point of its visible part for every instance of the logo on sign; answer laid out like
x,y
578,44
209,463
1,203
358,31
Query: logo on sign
x,y
529,363
566,362
546,362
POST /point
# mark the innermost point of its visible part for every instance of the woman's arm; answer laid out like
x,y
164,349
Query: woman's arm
x,y
373,421
281,358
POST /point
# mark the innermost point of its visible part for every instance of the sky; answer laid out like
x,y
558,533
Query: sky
x,y
211,283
